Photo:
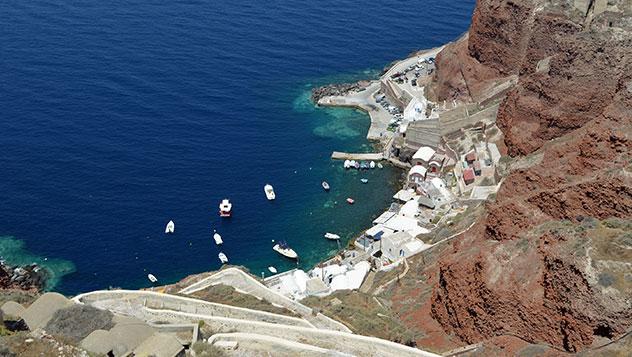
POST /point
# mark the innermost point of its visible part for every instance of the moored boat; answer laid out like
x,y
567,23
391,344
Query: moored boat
x,y
356,165
272,270
379,165
222,258
225,208
325,185
332,236
347,164
285,250
152,278
372,164
171,227
217,238
269,190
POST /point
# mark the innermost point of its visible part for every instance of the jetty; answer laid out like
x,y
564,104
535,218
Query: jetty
x,y
337,155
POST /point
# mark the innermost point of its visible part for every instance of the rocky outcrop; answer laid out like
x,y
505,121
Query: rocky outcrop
x,y
534,267
28,278
337,89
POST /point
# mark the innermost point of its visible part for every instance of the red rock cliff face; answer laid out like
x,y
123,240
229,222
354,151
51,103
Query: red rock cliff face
x,y
535,267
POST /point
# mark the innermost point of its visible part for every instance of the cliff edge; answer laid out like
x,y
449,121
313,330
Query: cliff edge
x,y
550,261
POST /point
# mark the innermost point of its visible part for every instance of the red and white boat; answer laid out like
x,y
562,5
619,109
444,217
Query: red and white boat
x,y
225,208
350,200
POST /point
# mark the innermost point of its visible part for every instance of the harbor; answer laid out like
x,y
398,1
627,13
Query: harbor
x,y
449,157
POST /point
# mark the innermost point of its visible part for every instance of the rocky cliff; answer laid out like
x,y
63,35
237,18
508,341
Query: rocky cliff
x,y
550,261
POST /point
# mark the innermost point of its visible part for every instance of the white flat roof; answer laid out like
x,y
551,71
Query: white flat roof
x,y
401,223
424,153
384,217
404,195
409,209
375,230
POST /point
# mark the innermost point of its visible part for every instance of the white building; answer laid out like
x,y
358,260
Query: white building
x,y
417,174
401,245
423,156
416,110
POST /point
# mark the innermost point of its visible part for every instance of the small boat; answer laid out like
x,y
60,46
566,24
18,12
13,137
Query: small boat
x,y
364,165
272,270
372,164
325,185
347,164
356,165
285,250
225,208
269,190
332,236
152,278
350,200
171,227
222,258
217,238
363,180
379,165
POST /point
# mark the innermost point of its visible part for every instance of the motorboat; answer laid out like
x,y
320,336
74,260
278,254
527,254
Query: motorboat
x,y
356,165
350,200
269,190
325,185
364,165
171,227
379,165
272,270
222,258
217,238
285,250
225,208
152,278
347,164
364,180
352,163
372,164
332,236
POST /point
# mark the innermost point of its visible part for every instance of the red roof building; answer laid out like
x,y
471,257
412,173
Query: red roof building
x,y
468,176
470,157
477,168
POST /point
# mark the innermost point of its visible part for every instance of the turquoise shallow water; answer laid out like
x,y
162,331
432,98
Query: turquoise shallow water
x,y
118,116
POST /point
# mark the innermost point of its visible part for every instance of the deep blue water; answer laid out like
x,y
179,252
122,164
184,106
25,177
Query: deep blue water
x,y
116,116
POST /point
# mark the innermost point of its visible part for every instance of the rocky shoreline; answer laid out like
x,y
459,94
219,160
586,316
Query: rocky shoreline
x,y
338,89
31,278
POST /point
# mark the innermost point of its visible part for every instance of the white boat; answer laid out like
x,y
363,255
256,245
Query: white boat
x,y
325,185
225,208
272,270
283,249
332,236
363,180
269,190
222,258
171,227
372,164
352,163
347,164
217,238
152,278
379,165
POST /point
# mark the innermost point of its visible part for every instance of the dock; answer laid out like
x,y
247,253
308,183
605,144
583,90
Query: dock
x,y
337,155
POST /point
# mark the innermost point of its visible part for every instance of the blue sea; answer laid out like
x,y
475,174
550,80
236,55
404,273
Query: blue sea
x,y
118,116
